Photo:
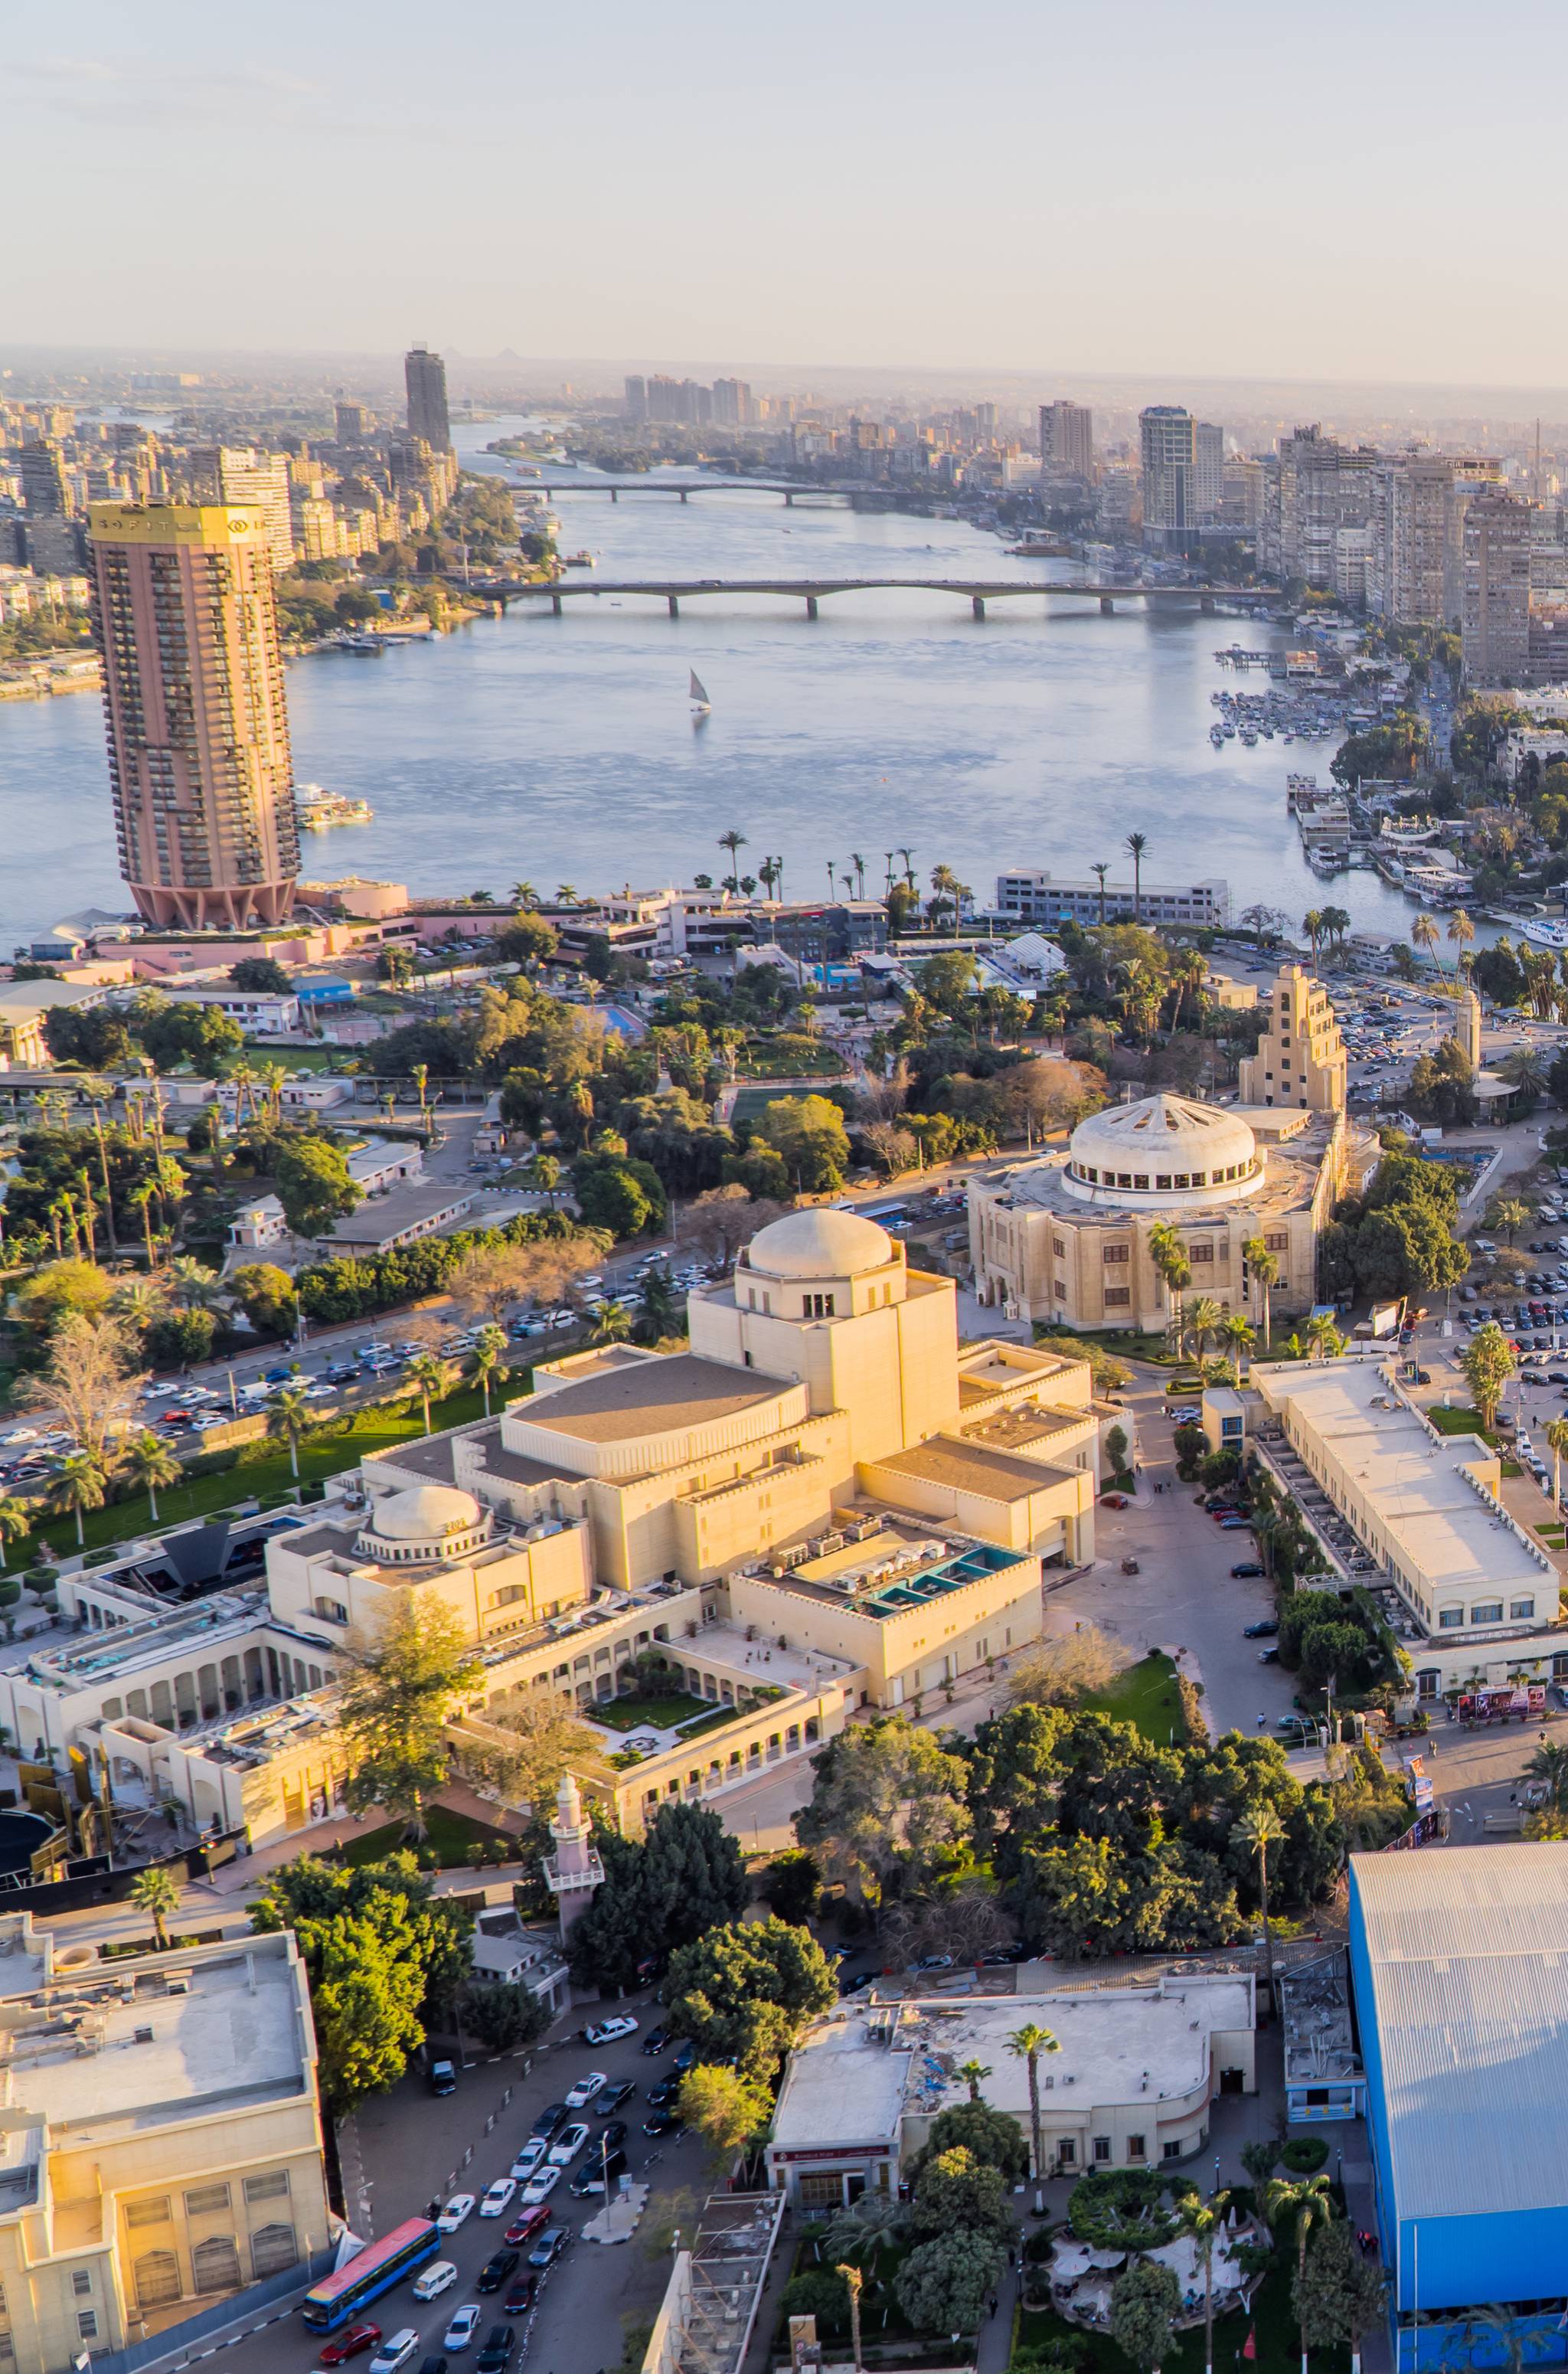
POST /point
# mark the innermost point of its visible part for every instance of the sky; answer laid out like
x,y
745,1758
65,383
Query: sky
x,y
1368,191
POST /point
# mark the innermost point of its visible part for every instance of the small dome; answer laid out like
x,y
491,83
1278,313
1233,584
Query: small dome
x,y
820,1244
425,1513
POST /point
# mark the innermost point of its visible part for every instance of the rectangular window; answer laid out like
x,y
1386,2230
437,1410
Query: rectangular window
x,y
273,2187
1487,1611
1521,1607
1201,1253
1170,2151
1113,1253
81,2283
1135,2147
1450,1618
1118,1298
202,2199
1276,1241
87,2323
1102,2147
149,2212
1066,2151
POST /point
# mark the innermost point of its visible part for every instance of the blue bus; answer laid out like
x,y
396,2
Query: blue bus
x,y
369,2273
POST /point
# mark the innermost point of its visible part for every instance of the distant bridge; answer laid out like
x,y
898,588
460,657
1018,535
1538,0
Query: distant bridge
x,y
791,489
812,590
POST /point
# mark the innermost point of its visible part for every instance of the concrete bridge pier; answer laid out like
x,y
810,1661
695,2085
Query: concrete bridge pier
x,y
810,606
555,604
683,494
1108,606
977,604
789,500
615,494
1205,607
674,606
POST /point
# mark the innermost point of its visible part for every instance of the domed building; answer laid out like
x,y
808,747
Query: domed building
x,y
1066,1238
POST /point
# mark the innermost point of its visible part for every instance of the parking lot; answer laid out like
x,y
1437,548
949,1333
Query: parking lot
x,y
415,2148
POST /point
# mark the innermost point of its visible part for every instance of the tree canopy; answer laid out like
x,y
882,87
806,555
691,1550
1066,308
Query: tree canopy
x,y
887,1805
660,1892
743,1991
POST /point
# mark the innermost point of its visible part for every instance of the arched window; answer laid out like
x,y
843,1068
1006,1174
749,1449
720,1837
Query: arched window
x,y
273,2247
215,2264
157,2278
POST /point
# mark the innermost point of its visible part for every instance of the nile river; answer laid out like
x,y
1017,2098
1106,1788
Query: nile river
x,y
562,750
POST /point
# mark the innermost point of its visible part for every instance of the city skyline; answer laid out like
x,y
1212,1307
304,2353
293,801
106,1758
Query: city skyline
x,y
1163,229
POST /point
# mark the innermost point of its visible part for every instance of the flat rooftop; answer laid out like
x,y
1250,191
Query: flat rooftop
x,y
1112,2039
93,2060
381,1216
1413,1479
649,1397
842,2085
1467,1952
966,1465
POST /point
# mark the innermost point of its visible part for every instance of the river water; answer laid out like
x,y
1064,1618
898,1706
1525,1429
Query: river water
x,y
562,750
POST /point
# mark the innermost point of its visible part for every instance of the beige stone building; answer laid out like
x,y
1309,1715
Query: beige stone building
x,y
160,2143
1301,1056
1066,1239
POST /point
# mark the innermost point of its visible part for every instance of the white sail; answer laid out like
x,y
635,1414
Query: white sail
x,y
699,694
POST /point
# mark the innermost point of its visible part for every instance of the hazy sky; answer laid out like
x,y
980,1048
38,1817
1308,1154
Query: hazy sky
x,y
1368,190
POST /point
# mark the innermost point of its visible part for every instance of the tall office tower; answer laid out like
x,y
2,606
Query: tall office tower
x,y
351,422
1494,611
1207,467
985,423
731,403
1241,492
1067,440
425,376
238,473
186,620
1415,570
50,538
1170,467
636,404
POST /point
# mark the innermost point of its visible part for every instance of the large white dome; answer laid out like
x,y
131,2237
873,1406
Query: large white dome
x,y
1164,1149
819,1243
425,1513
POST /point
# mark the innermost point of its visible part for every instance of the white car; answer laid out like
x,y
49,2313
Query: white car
x,y
568,2144
539,2187
458,2207
463,2326
583,2093
395,2351
435,2280
528,2157
610,2030
497,2197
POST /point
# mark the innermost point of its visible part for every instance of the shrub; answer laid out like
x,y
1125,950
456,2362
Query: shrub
x,y
1121,2210
1304,2155
820,2293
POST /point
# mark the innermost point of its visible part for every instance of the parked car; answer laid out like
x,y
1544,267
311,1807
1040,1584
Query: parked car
x,y
548,2248
528,2223
528,2157
598,2170
607,2031
522,2295
663,2122
549,2119
568,2144
540,2186
658,2040
1247,1571
583,2092
352,2344
659,2097
442,2077
496,2270
1268,1656
613,2095
1263,1631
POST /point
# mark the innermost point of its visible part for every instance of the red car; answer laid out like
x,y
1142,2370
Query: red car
x,y
523,2228
358,2338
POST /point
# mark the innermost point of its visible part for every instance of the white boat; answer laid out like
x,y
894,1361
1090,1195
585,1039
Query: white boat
x,y
700,701
318,810
1542,933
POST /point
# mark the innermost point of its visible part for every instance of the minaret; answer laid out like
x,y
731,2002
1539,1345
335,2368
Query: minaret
x,y
1468,1030
575,1870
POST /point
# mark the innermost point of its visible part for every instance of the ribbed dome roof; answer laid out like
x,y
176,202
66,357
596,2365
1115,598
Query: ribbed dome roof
x,y
424,1513
1163,1132
820,1244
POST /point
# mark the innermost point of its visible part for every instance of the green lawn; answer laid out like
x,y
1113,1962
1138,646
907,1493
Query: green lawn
x,y
451,1834
712,1720
1146,1696
662,1714
258,1475
1459,1421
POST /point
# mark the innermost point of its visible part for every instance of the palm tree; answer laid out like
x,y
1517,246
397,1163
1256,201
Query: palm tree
x,y
733,841
1100,871
1203,2220
1240,1335
523,894
1424,932
1312,924
288,1419
866,2230
489,1349
196,1285
139,1198
1028,2042
1335,922
1549,1764
1557,1443
1323,1339
1203,1322
421,1076
432,1378
1263,1266
1525,1072
614,1321
974,2074
567,895
853,2279
1509,1215
546,1174
1258,1829
79,1485
1461,931
17,1518
1311,2205
1169,1256
156,1891
97,1093
1137,843
858,862
149,1459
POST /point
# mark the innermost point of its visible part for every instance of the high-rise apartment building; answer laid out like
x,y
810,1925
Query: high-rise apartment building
x,y
238,473
1494,605
199,762
1207,467
1067,440
636,404
1241,492
1170,469
731,403
51,537
425,377
351,422
1415,573
1319,500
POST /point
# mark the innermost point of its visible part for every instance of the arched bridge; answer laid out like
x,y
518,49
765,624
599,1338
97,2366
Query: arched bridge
x,y
812,590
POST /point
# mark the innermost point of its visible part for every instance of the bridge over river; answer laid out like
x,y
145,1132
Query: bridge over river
x,y
812,590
